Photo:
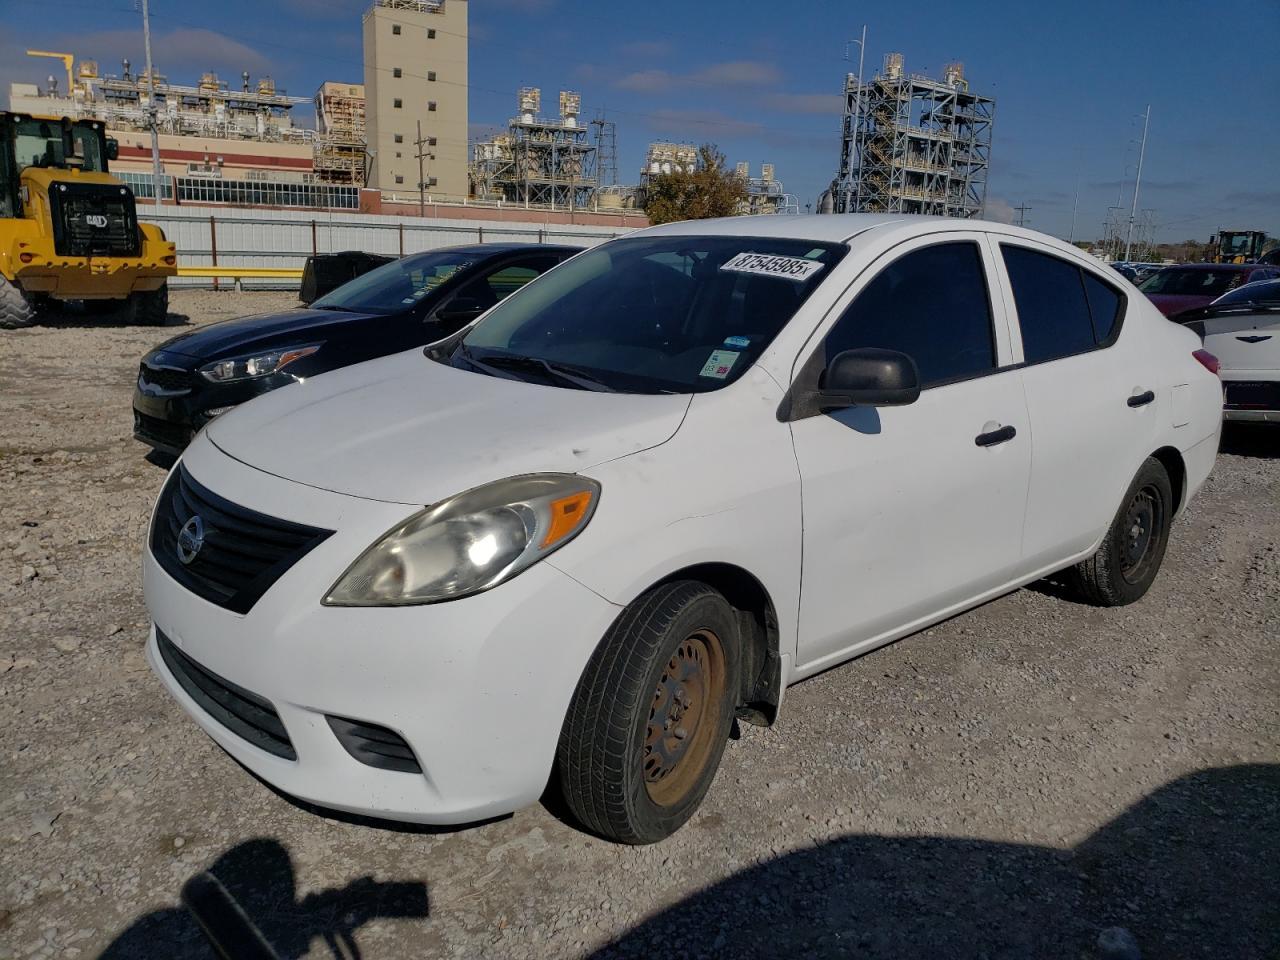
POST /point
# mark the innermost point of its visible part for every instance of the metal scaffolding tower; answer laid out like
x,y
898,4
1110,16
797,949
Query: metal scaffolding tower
x,y
912,144
606,151
540,161
340,149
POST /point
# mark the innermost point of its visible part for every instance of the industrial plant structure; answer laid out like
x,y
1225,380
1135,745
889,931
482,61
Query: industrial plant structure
x,y
340,134
539,160
912,144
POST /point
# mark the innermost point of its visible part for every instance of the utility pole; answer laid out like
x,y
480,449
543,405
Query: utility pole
x,y
1022,214
857,114
1075,203
1133,211
152,110
423,156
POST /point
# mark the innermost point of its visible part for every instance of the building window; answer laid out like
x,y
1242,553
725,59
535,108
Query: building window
x,y
397,103
399,138
395,29
431,106
399,179
397,154
395,72
431,75
431,33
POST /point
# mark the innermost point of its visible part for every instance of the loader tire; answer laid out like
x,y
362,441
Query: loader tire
x,y
17,309
151,307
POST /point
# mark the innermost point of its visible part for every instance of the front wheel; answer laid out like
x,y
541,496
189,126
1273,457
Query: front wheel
x,y
651,715
17,308
1126,564
151,307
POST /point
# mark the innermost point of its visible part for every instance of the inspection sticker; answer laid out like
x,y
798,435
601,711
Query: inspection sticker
x,y
737,341
792,268
719,364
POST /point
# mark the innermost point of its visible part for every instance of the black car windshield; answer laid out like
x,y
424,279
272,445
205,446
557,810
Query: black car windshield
x,y
397,286
686,314
1201,283
1261,291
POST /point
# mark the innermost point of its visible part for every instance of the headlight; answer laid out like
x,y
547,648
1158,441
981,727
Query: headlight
x,y
470,542
256,365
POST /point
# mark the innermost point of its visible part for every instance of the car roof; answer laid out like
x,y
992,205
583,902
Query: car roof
x,y
840,227
494,249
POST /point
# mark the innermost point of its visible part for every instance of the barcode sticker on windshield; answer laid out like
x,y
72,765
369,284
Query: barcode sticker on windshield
x,y
792,268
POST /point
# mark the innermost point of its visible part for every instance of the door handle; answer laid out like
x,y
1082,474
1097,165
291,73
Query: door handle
x,y
1141,399
992,437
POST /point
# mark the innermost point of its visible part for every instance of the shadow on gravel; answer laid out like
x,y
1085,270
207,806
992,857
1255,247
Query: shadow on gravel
x,y
1261,440
1191,870
259,875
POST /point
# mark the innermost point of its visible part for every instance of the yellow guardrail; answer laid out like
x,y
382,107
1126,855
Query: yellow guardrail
x,y
237,274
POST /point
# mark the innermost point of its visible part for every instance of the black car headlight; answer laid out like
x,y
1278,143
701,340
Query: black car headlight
x,y
256,364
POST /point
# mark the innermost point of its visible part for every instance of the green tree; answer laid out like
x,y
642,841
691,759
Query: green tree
x,y
711,189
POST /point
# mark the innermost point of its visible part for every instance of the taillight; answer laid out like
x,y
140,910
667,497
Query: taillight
x,y
26,257
1207,360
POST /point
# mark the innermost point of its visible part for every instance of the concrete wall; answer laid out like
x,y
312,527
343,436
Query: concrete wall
x,y
285,238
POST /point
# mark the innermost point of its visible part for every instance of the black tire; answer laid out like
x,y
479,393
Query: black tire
x,y
17,308
626,773
1126,564
151,307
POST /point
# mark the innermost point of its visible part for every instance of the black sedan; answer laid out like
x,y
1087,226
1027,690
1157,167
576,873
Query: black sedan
x,y
413,301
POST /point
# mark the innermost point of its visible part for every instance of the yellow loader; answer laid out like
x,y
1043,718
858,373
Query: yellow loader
x,y
69,230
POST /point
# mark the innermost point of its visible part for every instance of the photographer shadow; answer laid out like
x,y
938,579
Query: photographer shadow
x,y
259,876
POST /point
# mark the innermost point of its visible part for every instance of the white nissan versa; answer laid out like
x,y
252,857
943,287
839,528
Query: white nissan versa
x,y
647,492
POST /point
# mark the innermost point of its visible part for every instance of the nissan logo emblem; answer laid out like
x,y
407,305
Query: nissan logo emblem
x,y
190,540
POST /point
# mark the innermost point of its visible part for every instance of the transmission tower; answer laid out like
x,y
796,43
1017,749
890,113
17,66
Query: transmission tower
x,y
606,150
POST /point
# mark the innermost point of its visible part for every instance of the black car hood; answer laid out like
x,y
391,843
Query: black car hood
x,y
230,338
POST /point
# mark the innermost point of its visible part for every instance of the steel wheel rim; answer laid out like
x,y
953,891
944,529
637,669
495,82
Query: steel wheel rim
x,y
1140,533
683,722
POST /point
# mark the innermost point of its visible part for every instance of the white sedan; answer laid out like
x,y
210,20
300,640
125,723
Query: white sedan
x,y
650,490
1242,329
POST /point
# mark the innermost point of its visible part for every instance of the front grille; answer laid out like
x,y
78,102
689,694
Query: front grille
x,y
172,436
243,713
1250,395
166,378
242,552
94,219
374,746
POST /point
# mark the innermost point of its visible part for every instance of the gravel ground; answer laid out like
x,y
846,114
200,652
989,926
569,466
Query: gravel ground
x,y
1015,782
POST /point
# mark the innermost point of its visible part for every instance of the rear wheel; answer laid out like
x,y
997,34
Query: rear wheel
x,y
1126,564
17,308
151,307
649,721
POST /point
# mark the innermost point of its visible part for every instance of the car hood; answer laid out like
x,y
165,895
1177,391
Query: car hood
x,y
229,338
1171,304
406,429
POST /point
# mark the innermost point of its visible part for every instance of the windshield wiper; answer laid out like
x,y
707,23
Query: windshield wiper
x,y
564,372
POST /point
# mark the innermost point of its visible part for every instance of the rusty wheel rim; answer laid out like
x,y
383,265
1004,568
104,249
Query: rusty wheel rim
x,y
680,734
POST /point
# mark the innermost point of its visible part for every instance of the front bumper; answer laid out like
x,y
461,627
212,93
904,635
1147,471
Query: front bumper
x,y
168,421
93,278
477,687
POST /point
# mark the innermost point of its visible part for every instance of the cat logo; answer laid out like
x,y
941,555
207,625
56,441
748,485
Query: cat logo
x,y
95,220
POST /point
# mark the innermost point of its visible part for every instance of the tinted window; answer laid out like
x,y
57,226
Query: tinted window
x,y
398,285
647,314
1104,306
502,283
931,305
1267,291
1053,311
1193,281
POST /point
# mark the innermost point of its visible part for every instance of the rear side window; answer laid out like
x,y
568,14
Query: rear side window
x,y
932,305
1062,309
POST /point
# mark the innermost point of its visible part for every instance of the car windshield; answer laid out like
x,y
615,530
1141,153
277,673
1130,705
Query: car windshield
x,y
397,286
1196,283
1263,291
684,314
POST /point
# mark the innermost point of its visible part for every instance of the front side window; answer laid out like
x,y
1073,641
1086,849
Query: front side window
x,y
396,286
684,314
1053,306
930,304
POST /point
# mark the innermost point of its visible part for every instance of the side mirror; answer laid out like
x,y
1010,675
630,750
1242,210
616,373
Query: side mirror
x,y
460,310
113,148
869,377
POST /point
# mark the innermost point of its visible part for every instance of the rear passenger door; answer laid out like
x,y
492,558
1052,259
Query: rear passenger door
x,y
1092,396
911,511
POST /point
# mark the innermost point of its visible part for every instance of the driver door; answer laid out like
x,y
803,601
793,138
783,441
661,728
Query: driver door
x,y
910,511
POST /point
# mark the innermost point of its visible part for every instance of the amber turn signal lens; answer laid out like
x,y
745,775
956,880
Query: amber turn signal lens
x,y
566,514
